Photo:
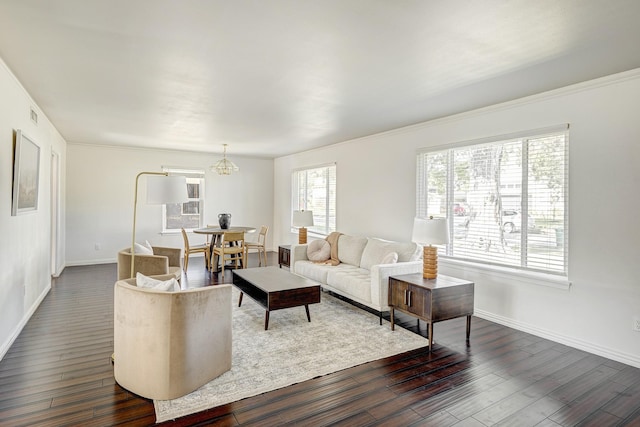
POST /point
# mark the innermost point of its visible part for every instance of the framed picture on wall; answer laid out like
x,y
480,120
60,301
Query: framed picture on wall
x,y
26,175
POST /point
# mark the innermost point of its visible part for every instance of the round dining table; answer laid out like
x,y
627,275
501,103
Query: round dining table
x,y
216,239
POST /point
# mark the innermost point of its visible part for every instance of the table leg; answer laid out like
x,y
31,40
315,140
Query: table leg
x,y
430,328
306,307
391,316
266,320
468,327
215,242
240,300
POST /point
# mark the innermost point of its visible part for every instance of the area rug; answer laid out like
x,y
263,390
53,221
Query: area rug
x,y
293,350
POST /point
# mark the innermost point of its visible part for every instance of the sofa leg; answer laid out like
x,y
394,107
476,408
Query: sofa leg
x,y
380,314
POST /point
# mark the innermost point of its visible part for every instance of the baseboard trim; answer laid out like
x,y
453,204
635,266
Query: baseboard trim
x,y
91,262
18,329
626,358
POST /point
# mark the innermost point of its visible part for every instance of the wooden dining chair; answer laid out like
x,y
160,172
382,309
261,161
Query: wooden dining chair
x,y
260,246
232,248
194,249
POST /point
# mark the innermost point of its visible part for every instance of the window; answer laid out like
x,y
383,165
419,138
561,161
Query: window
x,y
505,198
187,215
314,189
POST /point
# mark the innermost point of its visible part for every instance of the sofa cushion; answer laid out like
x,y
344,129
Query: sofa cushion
x,y
350,249
318,250
377,249
313,271
351,281
170,285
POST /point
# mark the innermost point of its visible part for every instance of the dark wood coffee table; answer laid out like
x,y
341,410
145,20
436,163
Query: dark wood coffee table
x,y
275,289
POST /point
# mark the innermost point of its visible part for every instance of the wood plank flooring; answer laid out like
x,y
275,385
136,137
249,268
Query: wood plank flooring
x,y
58,373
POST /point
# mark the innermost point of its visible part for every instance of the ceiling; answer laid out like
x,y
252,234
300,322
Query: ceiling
x,y
276,77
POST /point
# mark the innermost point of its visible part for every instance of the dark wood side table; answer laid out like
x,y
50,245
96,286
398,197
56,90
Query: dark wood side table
x,y
432,300
284,255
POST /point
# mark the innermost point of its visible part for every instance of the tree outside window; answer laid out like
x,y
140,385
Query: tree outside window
x,y
506,200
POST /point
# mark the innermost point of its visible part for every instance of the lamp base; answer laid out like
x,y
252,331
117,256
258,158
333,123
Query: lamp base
x,y
430,262
302,236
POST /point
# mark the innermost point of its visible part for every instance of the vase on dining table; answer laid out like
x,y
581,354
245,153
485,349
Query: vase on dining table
x,y
224,219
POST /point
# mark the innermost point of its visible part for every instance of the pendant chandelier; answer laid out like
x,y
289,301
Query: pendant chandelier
x,y
224,166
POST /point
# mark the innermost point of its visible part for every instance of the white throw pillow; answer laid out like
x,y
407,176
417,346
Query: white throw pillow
x,y
350,249
318,250
142,249
376,249
170,285
390,258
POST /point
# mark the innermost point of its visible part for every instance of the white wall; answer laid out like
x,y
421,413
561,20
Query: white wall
x,y
25,273
100,194
376,197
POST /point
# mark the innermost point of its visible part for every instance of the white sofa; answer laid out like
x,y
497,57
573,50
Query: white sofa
x,y
360,276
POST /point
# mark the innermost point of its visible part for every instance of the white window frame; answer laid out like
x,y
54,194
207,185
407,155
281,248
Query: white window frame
x,y
324,207
193,176
559,267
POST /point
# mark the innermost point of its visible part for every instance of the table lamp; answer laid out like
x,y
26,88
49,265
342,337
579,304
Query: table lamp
x,y
161,189
427,232
302,219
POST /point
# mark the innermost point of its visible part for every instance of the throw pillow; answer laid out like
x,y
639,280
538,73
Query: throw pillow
x,y
390,258
376,249
318,250
350,249
142,249
170,285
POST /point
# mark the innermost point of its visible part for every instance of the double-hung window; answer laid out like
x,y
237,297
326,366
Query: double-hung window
x,y
190,214
505,198
314,189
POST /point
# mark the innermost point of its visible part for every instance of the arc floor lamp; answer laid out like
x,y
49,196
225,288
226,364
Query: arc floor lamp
x,y
161,189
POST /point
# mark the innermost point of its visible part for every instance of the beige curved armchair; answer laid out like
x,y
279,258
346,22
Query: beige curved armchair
x,y
168,344
163,261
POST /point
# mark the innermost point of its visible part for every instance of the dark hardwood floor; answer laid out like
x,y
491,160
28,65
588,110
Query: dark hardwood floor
x,y
58,373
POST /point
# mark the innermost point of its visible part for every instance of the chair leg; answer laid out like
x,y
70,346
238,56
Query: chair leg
x,y
185,263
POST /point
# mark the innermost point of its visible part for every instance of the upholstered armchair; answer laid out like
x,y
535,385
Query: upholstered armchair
x,y
168,344
163,261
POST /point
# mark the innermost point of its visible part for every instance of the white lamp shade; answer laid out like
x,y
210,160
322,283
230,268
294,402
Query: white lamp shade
x,y
166,189
302,218
427,231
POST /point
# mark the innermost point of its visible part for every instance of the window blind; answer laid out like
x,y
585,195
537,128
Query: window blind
x,y
314,189
505,198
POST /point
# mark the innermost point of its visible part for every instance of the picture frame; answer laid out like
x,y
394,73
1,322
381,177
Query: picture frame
x,y
26,175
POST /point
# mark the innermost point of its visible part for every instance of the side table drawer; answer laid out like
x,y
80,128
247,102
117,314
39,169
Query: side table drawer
x,y
407,297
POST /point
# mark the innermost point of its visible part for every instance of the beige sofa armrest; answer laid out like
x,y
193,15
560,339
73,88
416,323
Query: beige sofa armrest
x,y
149,265
298,253
174,254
